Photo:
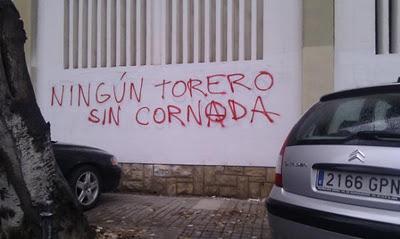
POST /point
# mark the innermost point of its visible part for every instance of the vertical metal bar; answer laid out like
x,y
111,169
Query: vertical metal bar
x,y
265,29
191,31
242,34
185,32
253,29
67,36
224,30
99,33
174,39
108,33
123,32
118,33
207,34
163,36
157,38
395,25
80,33
382,26
218,30
85,39
128,35
149,32
229,31
95,33
90,34
168,32
113,32
138,32
76,33
196,29
73,33
260,29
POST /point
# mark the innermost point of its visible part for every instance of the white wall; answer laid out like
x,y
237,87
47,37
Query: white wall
x,y
356,62
230,142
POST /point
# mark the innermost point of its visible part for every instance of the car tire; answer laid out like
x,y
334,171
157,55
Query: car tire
x,y
85,183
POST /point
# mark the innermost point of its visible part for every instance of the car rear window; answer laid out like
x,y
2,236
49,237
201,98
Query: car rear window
x,y
367,118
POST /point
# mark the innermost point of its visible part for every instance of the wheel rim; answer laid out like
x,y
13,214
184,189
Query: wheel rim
x,y
87,188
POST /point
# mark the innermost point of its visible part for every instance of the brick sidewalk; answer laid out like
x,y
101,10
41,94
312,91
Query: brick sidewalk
x,y
149,216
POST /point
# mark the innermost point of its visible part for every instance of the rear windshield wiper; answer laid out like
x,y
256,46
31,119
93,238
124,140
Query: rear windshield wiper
x,y
374,135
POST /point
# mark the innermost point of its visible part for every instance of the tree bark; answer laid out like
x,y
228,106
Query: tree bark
x,y
29,176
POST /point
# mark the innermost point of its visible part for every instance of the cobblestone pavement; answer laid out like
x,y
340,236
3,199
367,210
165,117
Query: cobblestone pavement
x,y
148,216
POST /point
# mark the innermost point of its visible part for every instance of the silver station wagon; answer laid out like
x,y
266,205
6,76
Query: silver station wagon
x,y
338,175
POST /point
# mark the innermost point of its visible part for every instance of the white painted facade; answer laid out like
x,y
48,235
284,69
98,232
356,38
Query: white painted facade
x,y
76,79
366,52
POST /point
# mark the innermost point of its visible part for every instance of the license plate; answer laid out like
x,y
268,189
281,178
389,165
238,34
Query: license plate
x,y
376,186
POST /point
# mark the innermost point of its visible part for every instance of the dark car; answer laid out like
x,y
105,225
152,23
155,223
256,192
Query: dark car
x,y
89,171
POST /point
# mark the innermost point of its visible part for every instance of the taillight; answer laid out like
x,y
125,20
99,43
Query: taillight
x,y
278,169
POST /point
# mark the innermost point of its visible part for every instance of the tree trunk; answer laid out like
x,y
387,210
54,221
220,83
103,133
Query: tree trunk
x,y
29,176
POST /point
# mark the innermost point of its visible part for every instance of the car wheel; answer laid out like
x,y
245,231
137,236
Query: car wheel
x,y
86,184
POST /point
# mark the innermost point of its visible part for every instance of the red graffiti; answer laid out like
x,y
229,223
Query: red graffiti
x,y
102,93
190,112
121,98
193,86
155,113
174,112
215,112
104,97
108,116
215,99
269,79
163,84
232,81
217,84
71,90
54,96
137,116
81,94
211,83
234,106
133,90
93,116
259,103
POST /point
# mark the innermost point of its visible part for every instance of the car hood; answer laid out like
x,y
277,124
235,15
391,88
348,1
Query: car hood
x,y
76,147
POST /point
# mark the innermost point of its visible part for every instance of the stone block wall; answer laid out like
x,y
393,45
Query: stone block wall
x,y
222,181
